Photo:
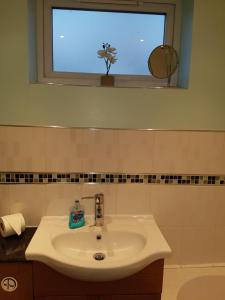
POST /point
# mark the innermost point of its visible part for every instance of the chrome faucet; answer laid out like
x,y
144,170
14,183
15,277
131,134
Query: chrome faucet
x,y
99,208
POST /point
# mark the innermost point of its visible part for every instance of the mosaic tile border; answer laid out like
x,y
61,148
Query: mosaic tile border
x,y
118,178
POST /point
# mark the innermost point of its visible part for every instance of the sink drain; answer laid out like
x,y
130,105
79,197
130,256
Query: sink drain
x,y
99,256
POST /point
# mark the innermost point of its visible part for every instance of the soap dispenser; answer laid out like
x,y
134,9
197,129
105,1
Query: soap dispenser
x,y
76,219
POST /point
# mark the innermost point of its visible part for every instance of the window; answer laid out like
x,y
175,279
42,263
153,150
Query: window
x,y
71,32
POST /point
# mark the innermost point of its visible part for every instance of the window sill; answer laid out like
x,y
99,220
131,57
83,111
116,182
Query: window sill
x,y
158,87
121,81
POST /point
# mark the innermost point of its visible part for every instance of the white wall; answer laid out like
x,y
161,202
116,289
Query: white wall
x,y
201,106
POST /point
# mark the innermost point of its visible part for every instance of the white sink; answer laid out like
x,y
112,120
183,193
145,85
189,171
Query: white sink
x,y
123,246
114,245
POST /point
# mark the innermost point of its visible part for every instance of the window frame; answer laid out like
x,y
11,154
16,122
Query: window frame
x,y
44,28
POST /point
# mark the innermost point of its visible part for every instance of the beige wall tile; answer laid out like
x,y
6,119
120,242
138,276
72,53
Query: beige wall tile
x,y
173,237
67,150
170,152
101,151
133,199
167,204
200,206
207,152
184,205
5,203
135,150
189,152
64,151
59,198
219,244
29,200
197,245
219,200
22,149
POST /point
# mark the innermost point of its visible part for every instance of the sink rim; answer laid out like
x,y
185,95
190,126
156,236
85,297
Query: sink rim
x,y
155,247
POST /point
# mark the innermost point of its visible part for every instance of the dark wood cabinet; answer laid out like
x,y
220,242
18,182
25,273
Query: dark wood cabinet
x,y
117,297
137,297
144,285
16,281
36,281
62,298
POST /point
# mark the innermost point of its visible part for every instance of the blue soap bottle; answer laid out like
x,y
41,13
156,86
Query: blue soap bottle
x,y
76,218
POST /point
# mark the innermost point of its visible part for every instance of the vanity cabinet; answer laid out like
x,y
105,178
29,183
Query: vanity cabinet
x,y
16,281
62,298
36,281
144,285
118,297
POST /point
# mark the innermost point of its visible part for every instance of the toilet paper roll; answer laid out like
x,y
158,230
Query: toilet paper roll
x,y
12,224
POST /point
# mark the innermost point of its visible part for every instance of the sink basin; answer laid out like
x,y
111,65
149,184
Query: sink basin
x,y
123,246
115,245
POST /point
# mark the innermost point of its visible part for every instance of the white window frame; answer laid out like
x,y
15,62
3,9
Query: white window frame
x,y
44,19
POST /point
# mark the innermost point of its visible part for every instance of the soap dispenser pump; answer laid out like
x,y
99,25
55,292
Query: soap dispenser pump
x,y
76,219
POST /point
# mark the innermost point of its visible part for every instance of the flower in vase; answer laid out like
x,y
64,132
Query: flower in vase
x,y
109,55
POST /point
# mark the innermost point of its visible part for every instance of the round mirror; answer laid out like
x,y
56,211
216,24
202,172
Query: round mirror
x,y
163,61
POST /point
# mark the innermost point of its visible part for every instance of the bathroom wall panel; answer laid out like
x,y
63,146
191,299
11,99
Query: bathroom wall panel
x,y
196,206
133,199
59,198
173,236
197,246
100,150
219,244
4,200
64,150
105,150
190,217
186,213
189,152
136,149
30,200
22,149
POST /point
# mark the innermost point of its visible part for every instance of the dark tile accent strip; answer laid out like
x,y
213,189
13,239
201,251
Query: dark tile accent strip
x,y
118,178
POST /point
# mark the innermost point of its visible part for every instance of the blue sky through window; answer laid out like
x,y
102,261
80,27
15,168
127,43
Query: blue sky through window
x,y
79,34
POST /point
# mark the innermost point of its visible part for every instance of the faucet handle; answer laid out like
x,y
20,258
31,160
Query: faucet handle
x,y
88,197
99,198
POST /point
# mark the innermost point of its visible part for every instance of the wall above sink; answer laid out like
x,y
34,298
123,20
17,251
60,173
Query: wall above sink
x,y
201,106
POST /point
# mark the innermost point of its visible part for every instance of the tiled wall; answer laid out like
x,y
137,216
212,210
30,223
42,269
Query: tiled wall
x,y
192,217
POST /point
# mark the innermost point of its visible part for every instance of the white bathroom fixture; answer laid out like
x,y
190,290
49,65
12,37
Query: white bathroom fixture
x,y
123,246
